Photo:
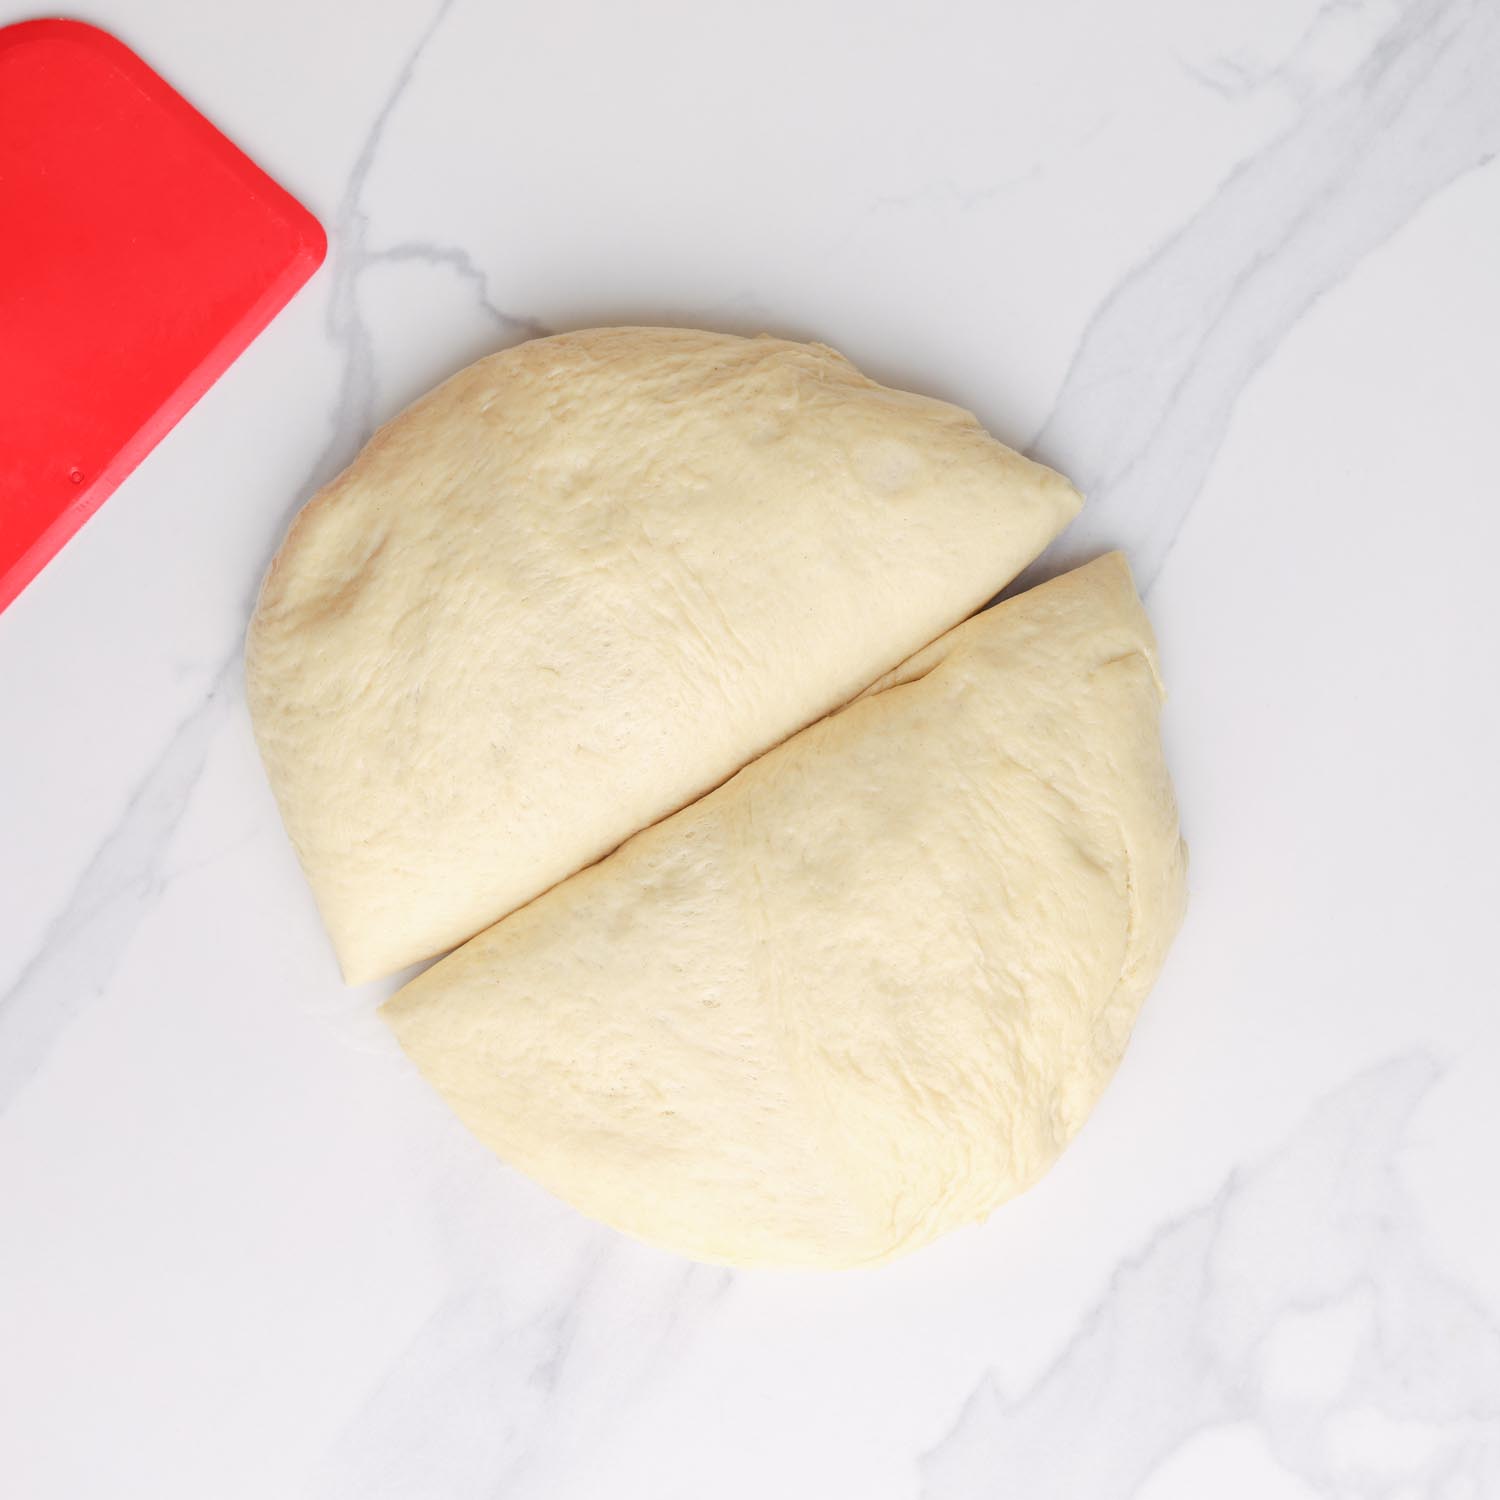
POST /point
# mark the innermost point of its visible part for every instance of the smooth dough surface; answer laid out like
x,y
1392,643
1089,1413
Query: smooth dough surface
x,y
584,581
864,991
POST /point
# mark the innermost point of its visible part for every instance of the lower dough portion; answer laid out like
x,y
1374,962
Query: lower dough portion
x,y
866,990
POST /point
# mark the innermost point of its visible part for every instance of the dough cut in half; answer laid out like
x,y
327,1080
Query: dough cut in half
x,y
584,581
867,989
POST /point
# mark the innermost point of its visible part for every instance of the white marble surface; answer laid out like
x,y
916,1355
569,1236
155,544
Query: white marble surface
x,y
1234,267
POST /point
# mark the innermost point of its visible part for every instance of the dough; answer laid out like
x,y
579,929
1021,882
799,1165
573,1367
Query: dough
x,y
864,991
583,582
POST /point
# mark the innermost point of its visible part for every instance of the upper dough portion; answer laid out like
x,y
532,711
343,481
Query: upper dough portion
x,y
864,991
584,581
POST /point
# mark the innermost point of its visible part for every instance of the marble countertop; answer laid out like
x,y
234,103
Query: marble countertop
x,y
1233,268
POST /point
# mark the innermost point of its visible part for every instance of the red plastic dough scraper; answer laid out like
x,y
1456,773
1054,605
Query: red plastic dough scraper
x,y
140,252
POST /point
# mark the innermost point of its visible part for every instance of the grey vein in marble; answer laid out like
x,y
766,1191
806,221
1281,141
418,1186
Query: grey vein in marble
x,y
1149,395
354,409
462,264
507,1385
82,946
1214,1322
353,412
